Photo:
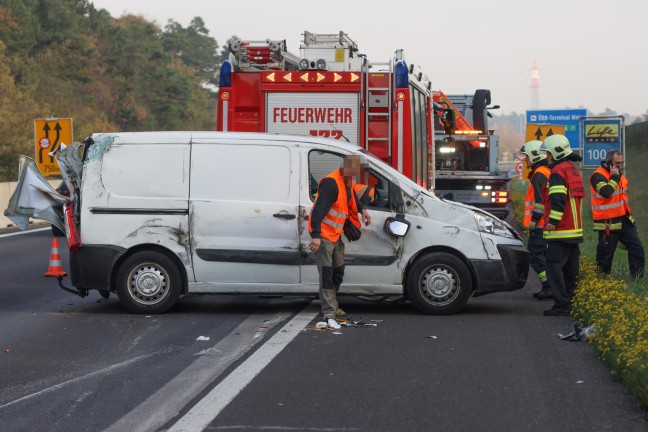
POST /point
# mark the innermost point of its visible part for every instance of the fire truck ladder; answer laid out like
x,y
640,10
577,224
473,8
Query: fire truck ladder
x,y
330,39
262,55
378,108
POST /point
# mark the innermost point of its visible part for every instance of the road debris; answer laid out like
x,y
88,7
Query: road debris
x,y
339,323
579,332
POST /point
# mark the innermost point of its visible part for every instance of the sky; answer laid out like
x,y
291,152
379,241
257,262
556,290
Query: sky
x,y
590,53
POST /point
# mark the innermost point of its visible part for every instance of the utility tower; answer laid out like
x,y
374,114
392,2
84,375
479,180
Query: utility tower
x,y
535,86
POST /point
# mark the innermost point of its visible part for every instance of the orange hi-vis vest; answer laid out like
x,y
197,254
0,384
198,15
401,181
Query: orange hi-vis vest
x,y
342,209
605,210
569,224
361,189
529,200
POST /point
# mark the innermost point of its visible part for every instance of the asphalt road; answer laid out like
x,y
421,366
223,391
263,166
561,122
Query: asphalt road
x,y
68,363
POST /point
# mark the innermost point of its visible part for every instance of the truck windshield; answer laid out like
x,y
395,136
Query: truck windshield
x,y
461,155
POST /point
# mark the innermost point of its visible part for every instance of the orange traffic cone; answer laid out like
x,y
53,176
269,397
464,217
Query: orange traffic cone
x,y
55,269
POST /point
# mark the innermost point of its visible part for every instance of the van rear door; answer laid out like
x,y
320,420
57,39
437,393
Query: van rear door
x,y
243,209
35,198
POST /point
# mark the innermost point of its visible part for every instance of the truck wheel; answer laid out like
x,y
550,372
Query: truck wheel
x,y
148,282
439,283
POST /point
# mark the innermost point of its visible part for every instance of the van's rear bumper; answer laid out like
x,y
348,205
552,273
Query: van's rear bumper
x,y
508,274
91,266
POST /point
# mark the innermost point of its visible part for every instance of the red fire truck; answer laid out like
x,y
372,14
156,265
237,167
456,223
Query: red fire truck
x,y
331,90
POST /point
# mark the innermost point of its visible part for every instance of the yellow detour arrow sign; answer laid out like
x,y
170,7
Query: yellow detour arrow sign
x,y
540,132
48,136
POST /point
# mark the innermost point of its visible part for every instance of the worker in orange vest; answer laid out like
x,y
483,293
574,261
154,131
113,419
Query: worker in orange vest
x,y
563,229
613,217
336,205
534,210
365,193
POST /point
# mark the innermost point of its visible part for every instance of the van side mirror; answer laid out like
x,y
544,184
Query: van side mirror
x,y
396,226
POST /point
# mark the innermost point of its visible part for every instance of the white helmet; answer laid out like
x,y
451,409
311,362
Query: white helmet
x,y
557,145
533,150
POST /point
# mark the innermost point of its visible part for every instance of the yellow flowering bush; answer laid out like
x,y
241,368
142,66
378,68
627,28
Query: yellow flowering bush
x,y
618,310
621,320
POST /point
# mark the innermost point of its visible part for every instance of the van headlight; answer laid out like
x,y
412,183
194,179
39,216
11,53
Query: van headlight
x,y
490,225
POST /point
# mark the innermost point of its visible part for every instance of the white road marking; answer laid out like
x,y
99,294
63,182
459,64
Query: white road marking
x,y
284,428
25,232
94,374
208,408
167,403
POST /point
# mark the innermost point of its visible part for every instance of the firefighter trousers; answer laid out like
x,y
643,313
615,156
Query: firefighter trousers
x,y
562,271
607,245
330,265
538,247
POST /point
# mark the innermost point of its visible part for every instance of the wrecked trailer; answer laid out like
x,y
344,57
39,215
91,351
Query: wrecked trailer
x,y
153,216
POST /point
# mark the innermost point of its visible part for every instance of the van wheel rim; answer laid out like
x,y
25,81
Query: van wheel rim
x,y
440,285
148,284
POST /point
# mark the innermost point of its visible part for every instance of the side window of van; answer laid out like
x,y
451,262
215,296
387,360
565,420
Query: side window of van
x,y
374,191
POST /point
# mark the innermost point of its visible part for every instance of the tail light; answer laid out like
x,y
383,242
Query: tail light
x,y
499,197
71,230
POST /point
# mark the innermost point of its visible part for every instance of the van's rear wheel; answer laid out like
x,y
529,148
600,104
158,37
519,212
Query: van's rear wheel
x,y
439,283
148,282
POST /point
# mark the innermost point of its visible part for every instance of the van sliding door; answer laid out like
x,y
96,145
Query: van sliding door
x,y
243,212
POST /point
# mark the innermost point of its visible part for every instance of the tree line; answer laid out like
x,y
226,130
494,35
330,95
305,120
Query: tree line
x,y
67,59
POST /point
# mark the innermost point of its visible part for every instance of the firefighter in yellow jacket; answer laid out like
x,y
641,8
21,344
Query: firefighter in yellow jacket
x,y
613,217
563,229
534,210
336,203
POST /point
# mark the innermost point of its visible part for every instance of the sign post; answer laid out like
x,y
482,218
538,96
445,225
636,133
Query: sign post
x,y
48,135
599,135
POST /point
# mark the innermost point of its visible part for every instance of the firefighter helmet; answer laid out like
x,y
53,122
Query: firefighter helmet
x,y
533,150
557,145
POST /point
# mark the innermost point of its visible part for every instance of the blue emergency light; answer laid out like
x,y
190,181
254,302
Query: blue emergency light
x,y
402,74
225,79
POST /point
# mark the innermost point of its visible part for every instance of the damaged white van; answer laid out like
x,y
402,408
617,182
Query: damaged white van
x,y
156,215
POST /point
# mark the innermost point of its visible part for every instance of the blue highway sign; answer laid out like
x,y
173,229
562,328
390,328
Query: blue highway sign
x,y
570,118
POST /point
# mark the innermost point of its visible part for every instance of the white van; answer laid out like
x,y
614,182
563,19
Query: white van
x,y
162,214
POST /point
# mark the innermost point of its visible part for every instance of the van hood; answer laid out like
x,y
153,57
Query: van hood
x,y
431,203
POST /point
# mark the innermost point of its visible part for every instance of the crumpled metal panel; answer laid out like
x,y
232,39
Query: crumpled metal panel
x,y
34,197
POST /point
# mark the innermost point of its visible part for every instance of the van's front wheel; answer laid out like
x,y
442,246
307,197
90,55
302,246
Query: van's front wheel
x,y
148,282
439,283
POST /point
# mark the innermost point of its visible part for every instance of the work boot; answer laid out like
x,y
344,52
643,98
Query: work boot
x,y
340,314
544,294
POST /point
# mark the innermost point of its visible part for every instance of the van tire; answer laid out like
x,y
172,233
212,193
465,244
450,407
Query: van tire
x,y
439,284
148,282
